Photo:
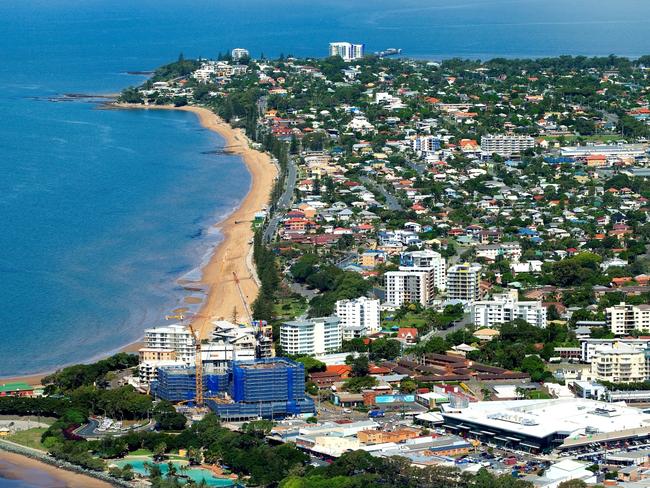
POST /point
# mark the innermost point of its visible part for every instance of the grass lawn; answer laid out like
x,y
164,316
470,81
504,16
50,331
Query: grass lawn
x,y
410,320
290,308
30,437
141,452
538,395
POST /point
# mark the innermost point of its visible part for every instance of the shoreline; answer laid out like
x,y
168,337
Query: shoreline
x,y
15,466
231,254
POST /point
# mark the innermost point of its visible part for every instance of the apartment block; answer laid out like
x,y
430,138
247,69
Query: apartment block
x,y
506,145
623,319
359,317
508,250
463,282
311,336
347,50
505,307
620,363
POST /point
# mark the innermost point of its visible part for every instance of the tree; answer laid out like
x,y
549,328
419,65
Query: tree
x,y
360,366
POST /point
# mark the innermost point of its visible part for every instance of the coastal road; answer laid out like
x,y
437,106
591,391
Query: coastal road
x,y
283,202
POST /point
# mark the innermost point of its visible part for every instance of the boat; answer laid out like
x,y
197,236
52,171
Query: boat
x,y
391,51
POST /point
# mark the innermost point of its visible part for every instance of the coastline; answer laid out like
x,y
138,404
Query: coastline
x,y
232,253
14,466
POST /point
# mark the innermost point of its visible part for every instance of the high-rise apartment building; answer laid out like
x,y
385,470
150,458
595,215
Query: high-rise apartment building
x,y
463,282
311,336
348,51
359,317
623,319
506,145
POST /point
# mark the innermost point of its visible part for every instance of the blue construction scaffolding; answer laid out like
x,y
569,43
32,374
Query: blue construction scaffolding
x,y
178,384
267,388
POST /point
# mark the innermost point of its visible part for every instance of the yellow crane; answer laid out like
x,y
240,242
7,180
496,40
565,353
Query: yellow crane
x,y
198,396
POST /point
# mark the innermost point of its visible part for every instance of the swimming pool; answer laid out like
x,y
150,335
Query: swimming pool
x,y
195,474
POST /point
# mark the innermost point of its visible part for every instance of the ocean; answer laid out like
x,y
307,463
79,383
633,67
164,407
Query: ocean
x,y
104,210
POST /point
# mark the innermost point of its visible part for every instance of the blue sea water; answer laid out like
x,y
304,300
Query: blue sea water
x,y
104,210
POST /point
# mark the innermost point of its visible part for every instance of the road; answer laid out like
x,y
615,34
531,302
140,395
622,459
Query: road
x,y
461,324
391,201
283,202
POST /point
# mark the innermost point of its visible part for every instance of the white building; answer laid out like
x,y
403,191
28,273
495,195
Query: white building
x,y
623,319
427,260
238,53
359,317
589,346
410,285
346,50
311,336
508,250
620,363
426,145
505,145
505,307
463,282
176,337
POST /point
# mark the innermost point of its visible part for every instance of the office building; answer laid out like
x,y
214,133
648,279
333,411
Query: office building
x,y
267,388
505,307
359,317
239,53
463,282
623,319
506,145
346,50
311,336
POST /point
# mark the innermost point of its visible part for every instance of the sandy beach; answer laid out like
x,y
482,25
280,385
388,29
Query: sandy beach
x,y
17,467
231,255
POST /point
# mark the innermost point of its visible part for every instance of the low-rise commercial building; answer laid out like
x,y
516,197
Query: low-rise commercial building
x,y
545,425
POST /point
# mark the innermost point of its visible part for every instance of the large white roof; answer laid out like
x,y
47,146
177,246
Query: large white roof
x,y
541,418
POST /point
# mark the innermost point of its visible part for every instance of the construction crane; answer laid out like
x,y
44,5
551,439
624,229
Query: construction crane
x,y
198,396
243,298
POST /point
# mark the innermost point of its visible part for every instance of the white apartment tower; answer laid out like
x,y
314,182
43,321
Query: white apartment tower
x,y
620,363
348,51
463,282
239,53
505,307
623,319
312,336
176,337
359,317
420,274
